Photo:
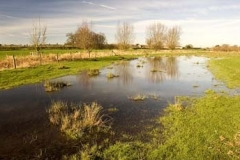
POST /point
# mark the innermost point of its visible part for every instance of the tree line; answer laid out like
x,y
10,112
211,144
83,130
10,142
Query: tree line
x,y
158,36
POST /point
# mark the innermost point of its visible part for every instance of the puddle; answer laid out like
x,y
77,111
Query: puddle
x,y
159,80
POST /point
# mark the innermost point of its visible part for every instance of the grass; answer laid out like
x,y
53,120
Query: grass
x,y
93,72
137,97
54,86
227,69
25,52
111,76
75,121
207,128
13,78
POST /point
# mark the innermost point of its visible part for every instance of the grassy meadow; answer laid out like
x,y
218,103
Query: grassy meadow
x,y
12,78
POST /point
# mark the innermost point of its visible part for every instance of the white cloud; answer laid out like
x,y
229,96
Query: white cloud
x,y
91,3
108,7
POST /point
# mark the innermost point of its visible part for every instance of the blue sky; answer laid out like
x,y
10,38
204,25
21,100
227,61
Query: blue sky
x,y
204,23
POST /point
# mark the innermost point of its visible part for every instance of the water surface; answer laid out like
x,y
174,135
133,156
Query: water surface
x,y
23,109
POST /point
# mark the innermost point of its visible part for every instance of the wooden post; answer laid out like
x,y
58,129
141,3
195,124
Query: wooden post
x,y
57,58
40,58
71,56
14,62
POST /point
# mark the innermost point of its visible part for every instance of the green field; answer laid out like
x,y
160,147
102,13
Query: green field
x,y
13,78
227,69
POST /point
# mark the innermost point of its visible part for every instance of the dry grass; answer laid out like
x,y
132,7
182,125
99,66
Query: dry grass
x,y
76,120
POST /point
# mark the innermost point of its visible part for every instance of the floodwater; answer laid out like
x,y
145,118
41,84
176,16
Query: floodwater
x,y
24,123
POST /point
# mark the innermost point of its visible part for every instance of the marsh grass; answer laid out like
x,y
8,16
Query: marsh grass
x,y
138,97
76,121
111,76
93,72
54,86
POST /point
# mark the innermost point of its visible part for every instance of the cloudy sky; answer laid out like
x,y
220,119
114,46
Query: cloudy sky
x,y
204,23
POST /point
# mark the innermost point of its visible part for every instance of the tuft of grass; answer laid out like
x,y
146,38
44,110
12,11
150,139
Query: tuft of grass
x,y
113,109
137,97
54,86
195,86
111,75
75,121
93,72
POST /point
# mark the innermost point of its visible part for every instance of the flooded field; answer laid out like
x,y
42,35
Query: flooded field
x,y
132,93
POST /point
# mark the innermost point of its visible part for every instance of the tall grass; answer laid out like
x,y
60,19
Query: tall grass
x,y
75,121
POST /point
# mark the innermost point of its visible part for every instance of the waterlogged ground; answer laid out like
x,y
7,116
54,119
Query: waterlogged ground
x,y
24,125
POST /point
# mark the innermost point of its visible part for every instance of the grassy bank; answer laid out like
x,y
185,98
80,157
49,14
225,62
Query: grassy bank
x,y
227,69
13,78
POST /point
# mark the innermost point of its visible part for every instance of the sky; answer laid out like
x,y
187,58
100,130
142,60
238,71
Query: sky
x,y
204,23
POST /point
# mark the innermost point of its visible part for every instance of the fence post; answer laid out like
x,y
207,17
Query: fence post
x,y
14,62
40,58
57,58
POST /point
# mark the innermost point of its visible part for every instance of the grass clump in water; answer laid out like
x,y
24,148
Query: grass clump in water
x,y
54,86
75,121
93,72
138,97
111,75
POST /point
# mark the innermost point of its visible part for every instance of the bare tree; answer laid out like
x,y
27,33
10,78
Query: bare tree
x,y
38,34
84,37
156,33
173,37
125,35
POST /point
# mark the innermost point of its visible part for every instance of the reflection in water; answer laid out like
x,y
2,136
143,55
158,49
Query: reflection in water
x,y
124,71
172,67
160,69
85,79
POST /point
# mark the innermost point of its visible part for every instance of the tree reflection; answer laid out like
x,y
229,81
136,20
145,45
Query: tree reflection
x,y
124,71
159,69
172,67
85,79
